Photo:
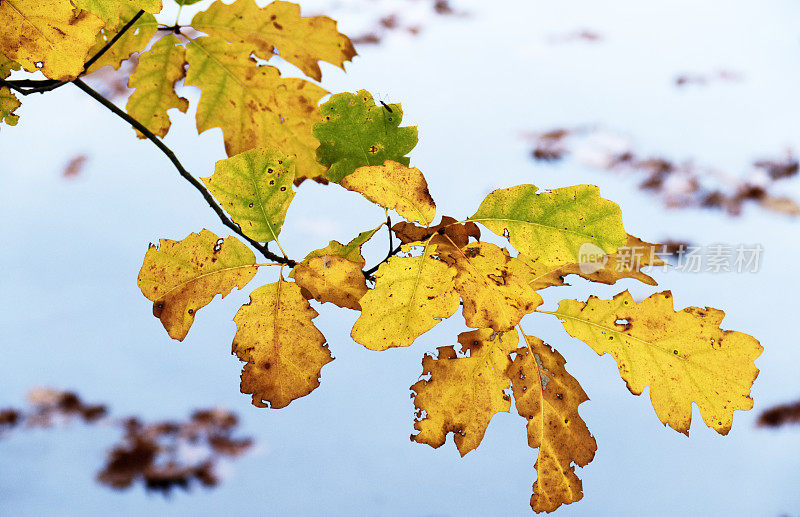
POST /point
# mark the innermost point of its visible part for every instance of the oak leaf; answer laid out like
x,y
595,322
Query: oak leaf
x,y
8,105
463,392
300,41
627,262
154,81
493,285
64,35
350,251
113,13
283,349
395,187
252,104
356,132
683,356
411,295
331,278
459,233
181,277
551,226
135,39
547,396
255,187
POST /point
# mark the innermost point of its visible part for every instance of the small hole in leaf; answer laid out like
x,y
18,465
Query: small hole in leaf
x,y
250,205
283,189
191,311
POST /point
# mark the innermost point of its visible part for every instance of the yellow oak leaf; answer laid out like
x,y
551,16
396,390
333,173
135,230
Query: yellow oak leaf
x,y
283,349
547,396
411,295
181,277
113,13
300,41
463,392
135,39
331,278
552,227
252,104
493,285
53,37
154,82
396,187
255,187
8,104
683,356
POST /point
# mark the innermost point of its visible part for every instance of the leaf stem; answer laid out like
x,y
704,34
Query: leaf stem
x,y
182,171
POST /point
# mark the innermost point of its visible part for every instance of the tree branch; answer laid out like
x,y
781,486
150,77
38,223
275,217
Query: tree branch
x,y
182,171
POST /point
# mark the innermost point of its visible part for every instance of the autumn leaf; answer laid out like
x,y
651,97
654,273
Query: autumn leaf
x,y
8,101
464,391
550,227
252,104
283,349
300,41
64,36
113,13
627,262
350,251
331,278
547,396
493,285
135,39
356,132
154,82
181,277
683,357
457,233
411,295
395,187
255,187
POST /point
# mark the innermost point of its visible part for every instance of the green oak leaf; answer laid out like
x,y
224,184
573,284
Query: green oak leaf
x,y
551,227
356,133
255,187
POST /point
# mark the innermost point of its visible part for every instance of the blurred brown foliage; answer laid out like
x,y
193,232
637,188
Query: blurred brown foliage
x,y
780,415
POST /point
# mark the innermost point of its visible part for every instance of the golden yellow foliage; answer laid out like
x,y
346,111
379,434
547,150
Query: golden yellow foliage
x,y
181,277
494,286
547,396
627,262
65,35
300,41
255,187
154,80
350,251
133,40
113,12
464,392
331,278
410,297
283,349
252,104
684,356
396,187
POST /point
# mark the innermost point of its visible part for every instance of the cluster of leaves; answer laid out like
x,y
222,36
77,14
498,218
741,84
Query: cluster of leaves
x,y
277,135
148,453
680,185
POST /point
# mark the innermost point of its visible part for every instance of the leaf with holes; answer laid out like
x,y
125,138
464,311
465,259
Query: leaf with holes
x,y
181,277
300,41
64,35
547,396
395,187
552,227
683,356
356,132
255,187
464,391
133,40
411,295
283,349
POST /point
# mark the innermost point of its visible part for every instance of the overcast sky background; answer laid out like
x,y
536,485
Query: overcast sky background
x,y
72,316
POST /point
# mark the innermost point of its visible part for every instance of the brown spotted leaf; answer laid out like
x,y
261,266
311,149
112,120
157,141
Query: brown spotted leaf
x,y
331,278
683,356
463,392
547,396
458,233
283,349
181,277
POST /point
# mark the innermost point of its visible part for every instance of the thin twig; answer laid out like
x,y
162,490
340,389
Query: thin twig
x,y
113,40
182,171
389,227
